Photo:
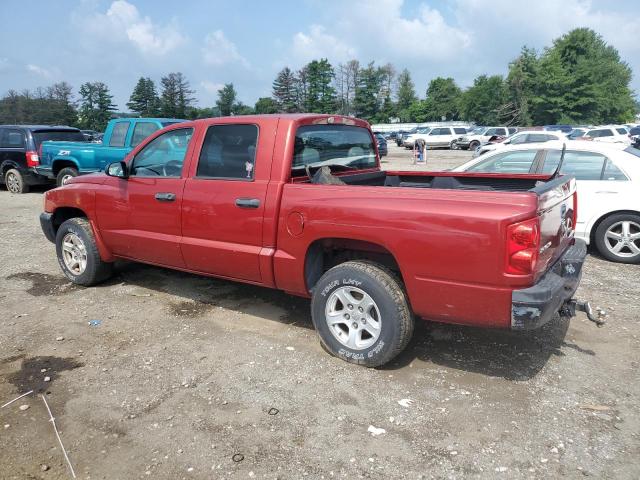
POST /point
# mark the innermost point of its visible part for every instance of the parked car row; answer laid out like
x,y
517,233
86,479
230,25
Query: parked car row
x,y
42,154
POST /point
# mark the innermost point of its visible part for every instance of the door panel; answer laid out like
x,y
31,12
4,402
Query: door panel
x,y
221,237
224,201
141,217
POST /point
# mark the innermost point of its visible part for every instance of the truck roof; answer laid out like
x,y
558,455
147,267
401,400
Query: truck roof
x,y
42,127
291,117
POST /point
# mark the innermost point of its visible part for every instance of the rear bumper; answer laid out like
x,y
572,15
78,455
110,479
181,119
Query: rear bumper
x,y
534,306
46,223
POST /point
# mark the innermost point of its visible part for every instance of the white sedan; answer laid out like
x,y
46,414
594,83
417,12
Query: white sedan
x,y
608,179
520,138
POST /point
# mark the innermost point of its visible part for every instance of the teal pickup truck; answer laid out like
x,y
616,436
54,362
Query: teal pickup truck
x,y
64,160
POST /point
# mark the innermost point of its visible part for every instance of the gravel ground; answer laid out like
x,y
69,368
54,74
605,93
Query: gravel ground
x,y
165,375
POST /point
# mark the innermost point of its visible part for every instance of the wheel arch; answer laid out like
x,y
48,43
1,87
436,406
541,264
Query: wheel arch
x,y
60,163
325,253
594,226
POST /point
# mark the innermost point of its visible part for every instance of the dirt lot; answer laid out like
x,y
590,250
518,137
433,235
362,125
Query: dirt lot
x,y
181,373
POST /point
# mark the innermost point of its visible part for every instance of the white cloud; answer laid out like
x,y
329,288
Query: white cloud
x,y
211,87
43,72
219,50
319,44
373,29
123,21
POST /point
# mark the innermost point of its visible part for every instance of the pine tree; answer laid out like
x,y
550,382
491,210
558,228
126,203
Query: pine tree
x,y
176,97
406,90
96,105
366,103
144,99
320,94
284,91
227,100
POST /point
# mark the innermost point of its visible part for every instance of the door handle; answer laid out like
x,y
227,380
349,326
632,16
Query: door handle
x,y
606,191
247,202
166,197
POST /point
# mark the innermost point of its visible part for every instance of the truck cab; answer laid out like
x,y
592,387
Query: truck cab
x,y
64,160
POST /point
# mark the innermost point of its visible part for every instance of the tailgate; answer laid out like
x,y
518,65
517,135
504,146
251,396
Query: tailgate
x,y
557,211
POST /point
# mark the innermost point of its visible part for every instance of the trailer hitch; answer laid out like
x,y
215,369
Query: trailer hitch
x,y
571,306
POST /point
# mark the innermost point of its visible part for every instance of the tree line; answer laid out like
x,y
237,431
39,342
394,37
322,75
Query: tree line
x,y
579,79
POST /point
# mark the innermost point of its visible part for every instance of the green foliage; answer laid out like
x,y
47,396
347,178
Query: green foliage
x,y
144,99
482,103
316,93
521,88
96,106
406,95
582,80
285,92
176,97
442,101
53,105
266,105
366,103
226,99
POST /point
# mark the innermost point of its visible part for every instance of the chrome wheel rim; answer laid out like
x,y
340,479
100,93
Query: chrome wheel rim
x,y
623,239
353,318
74,254
65,179
13,184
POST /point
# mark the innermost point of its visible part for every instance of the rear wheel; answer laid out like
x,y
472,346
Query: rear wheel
x,y
361,313
618,238
65,175
15,182
78,254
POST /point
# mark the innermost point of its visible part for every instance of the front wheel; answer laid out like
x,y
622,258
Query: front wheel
x,y
15,182
453,145
361,313
473,146
618,238
65,175
78,254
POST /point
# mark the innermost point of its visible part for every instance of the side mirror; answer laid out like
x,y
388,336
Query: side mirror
x,y
117,169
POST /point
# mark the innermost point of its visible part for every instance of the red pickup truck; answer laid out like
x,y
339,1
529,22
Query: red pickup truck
x,y
299,203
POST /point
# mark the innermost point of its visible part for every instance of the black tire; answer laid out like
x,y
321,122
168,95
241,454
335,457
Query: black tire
x,y
453,145
382,286
64,174
96,269
473,145
600,238
14,181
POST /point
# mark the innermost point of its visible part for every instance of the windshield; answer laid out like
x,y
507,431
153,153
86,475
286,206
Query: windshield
x,y
477,131
339,146
576,133
424,130
164,124
58,136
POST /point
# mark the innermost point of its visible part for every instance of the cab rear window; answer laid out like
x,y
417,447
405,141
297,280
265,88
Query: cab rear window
x,y
57,136
340,147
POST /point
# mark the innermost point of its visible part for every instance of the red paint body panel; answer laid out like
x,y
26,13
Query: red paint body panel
x,y
450,245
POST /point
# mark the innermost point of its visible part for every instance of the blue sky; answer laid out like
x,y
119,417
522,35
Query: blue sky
x,y
247,42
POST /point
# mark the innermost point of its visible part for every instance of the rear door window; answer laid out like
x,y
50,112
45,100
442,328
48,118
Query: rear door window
x,y
141,131
612,172
538,137
520,161
460,131
119,134
582,165
603,132
40,136
501,131
622,131
13,138
228,152
341,147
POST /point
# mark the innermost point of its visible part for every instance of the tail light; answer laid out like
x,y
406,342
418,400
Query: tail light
x,y
575,210
33,160
523,243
